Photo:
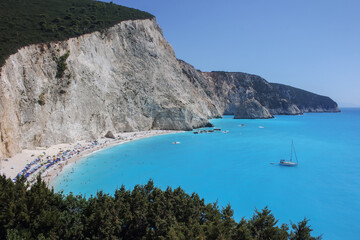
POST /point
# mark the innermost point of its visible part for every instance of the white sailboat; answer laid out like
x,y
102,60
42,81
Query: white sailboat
x,y
290,163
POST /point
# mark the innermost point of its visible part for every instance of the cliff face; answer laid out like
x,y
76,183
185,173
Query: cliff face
x,y
249,96
124,79
243,95
307,101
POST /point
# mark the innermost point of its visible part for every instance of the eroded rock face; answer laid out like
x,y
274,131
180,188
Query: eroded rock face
x,y
251,109
125,79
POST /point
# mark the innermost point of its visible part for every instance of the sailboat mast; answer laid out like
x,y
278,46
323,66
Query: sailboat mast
x,y
295,155
291,150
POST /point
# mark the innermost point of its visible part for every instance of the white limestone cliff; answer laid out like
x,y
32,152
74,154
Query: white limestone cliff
x,y
124,79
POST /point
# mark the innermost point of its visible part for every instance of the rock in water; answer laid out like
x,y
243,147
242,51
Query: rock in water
x,y
109,134
251,109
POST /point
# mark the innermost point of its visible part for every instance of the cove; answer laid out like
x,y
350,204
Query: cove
x,y
235,168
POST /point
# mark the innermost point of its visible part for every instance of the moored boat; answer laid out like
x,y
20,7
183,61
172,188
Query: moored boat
x,y
290,163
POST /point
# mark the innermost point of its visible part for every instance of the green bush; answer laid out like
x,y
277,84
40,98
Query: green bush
x,y
62,65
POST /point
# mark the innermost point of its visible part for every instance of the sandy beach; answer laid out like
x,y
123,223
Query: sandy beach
x,y
50,161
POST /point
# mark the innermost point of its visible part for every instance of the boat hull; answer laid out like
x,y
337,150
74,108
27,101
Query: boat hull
x,y
288,164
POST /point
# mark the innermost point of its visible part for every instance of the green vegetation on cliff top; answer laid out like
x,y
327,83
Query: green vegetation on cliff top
x,y
25,22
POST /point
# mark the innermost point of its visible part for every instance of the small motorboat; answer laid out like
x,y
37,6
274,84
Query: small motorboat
x,y
176,142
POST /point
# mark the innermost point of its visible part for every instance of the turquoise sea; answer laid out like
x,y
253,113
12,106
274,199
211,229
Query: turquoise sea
x,y
235,168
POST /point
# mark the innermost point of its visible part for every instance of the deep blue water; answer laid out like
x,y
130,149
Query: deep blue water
x,y
235,168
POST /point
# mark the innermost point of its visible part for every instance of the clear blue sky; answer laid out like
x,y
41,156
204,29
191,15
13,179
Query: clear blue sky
x,y
310,44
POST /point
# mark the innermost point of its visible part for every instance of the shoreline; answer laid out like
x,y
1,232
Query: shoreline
x,y
41,156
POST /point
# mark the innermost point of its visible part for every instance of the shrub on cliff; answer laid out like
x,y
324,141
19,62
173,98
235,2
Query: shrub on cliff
x,y
146,212
25,22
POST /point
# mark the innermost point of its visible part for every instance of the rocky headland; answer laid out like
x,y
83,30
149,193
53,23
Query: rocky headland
x,y
126,78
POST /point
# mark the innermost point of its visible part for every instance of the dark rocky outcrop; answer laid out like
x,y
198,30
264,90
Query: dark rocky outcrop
x,y
109,134
251,109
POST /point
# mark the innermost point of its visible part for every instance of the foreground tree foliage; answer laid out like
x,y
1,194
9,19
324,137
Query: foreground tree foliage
x,y
146,212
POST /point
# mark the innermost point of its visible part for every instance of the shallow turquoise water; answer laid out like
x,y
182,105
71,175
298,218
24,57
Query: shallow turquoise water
x,y
235,167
